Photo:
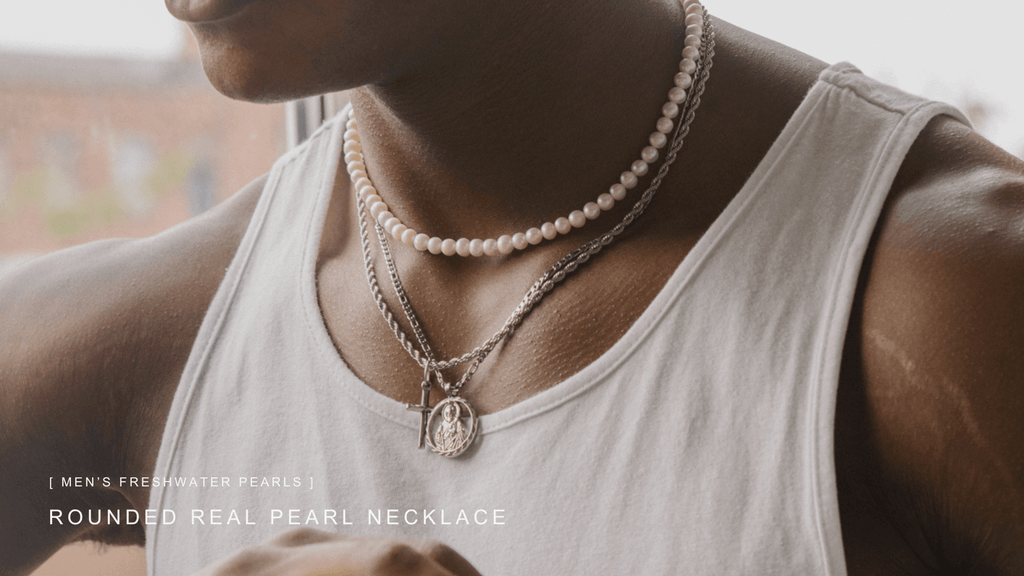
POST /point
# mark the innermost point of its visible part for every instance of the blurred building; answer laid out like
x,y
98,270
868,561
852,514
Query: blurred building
x,y
95,148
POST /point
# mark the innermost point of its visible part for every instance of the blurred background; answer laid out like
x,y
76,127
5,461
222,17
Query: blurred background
x,y
98,142
109,128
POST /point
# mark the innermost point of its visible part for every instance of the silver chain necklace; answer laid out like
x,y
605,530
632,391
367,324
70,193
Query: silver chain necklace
x,y
453,437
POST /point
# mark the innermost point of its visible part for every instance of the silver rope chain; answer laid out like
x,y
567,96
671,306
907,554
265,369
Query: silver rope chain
x,y
565,266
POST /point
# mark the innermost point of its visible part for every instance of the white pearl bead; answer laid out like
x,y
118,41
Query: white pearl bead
x,y
352,124
691,53
361,182
384,217
353,147
694,19
391,223
693,8
420,242
356,165
618,191
408,237
476,247
548,230
490,247
639,168
378,208
372,199
351,136
628,179
577,219
562,225
534,236
664,125
649,154
687,65
519,241
398,230
505,244
434,245
683,80
448,247
670,110
677,95
591,210
692,42
658,140
462,247
605,201
357,175
367,191
697,31
353,156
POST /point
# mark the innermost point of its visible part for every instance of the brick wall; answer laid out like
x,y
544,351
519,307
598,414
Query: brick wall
x,y
94,148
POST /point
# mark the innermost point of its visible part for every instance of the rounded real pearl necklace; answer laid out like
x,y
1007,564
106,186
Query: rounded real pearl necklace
x,y
505,244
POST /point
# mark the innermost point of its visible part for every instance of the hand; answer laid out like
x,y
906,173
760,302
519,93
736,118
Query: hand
x,y
308,552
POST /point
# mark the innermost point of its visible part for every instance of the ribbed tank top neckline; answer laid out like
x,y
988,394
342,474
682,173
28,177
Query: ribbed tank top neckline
x,y
592,374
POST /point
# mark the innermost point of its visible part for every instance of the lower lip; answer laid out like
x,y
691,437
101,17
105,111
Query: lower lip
x,y
196,11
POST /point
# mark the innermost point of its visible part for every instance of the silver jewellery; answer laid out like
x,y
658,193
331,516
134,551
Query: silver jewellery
x,y
442,427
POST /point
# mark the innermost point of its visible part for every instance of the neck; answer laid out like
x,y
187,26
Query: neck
x,y
520,120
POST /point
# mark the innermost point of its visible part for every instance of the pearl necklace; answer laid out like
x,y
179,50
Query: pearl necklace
x,y
450,437
506,243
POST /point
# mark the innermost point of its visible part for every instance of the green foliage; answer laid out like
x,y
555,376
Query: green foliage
x,y
169,172
95,208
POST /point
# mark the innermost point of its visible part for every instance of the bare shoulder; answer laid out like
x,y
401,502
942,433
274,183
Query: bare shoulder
x,y
940,356
95,338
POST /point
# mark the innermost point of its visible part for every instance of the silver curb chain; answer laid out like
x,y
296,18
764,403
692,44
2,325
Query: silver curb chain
x,y
565,266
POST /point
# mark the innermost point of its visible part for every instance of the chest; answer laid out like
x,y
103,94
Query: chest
x,y
669,443
575,323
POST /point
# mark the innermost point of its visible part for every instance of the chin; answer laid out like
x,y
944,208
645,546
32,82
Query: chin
x,y
278,50
239,85
254,77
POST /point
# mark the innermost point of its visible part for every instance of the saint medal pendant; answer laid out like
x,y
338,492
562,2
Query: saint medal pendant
x,y
447,435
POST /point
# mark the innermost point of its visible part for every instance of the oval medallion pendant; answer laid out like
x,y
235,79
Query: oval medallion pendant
x,y
447,434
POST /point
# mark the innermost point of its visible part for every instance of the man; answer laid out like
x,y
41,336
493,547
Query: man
x,y
474,118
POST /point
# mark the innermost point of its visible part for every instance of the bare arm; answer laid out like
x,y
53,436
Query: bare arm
x,y
94,340
933,410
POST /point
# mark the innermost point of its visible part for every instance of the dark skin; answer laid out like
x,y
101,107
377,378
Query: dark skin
x,y
928,426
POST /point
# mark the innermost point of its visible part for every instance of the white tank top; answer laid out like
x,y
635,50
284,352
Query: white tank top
x,y
700,443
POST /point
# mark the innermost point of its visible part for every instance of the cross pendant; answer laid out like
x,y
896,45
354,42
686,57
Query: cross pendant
x,y
423,407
